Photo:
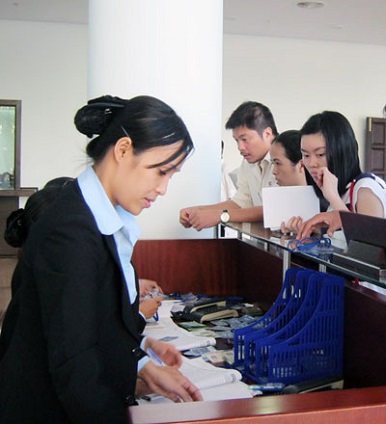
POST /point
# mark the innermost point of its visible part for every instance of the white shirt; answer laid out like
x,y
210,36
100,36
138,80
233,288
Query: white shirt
x,y
228,184
377,186
252,178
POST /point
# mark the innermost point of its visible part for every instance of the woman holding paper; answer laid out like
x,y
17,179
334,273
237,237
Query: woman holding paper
x,y
330,155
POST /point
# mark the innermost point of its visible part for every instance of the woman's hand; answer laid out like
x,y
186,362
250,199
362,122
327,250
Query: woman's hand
x,y
293,225
169,354
168,382
328,184
149,307
147,286
331,220
327,181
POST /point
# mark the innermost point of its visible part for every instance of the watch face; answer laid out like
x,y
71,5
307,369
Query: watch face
x,y
224,217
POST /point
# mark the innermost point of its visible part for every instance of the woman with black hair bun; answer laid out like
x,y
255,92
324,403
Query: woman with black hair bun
x,y
21,220
76,351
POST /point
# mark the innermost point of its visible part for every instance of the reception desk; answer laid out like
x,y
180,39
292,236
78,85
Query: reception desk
x,y
252,265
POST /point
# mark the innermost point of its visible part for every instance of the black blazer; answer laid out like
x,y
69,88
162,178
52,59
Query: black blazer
x,y
74,345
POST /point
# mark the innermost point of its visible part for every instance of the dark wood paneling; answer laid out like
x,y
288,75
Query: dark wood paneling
x,y
214,267
364,337
260,275
185,266
375,152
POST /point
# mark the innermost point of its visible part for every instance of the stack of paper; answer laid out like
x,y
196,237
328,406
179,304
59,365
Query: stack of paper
x,y
168,331
215,383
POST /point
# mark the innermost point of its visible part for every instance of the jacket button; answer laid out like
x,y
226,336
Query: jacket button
x,y
138,353
130,400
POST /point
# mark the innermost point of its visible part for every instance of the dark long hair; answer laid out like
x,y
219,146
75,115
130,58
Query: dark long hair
x,y
148,121
290,141
341,147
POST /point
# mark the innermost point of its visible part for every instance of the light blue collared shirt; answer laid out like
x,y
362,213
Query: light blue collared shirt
x,y
112,220
116,221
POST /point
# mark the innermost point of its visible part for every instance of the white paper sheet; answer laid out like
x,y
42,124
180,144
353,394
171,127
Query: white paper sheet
x,y
282,203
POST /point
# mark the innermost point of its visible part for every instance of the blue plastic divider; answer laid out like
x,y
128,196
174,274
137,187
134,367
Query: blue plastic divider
x,y
304,341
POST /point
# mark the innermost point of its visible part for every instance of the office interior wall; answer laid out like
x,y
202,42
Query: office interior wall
x,y
171,50
298,78
45,65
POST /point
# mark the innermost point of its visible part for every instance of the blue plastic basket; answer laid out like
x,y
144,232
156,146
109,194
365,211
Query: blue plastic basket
x,y
299,309
307,343
276,309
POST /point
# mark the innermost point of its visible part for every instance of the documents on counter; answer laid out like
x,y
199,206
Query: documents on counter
x,y
215,383
206,311
169,332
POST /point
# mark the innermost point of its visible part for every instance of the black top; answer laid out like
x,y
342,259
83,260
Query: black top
x,y
70,338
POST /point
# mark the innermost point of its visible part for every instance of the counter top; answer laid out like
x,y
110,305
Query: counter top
x,y
318,408
334,257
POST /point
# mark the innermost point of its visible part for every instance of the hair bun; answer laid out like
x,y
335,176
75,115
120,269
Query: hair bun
x,y
93,118
15,231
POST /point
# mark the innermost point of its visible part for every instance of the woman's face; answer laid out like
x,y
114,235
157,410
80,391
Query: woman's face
x,y
285,172
313,147
133,183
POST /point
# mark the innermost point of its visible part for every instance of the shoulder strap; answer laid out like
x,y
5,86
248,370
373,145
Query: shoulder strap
x,y
359,177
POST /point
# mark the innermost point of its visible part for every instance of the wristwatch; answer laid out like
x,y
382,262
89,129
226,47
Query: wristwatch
x,y
224,217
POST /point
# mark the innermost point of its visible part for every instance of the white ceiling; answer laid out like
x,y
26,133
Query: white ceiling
x,y
358,21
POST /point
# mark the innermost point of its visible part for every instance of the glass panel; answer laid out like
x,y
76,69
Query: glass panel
x,y
9,143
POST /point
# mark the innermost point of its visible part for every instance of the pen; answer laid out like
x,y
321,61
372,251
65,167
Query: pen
x,y
151,397
154,357
145,397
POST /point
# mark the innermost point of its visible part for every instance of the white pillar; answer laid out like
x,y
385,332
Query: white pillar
x,y
170,49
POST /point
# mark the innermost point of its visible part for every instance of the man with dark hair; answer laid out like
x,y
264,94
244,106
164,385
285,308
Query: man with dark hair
x,y
253,127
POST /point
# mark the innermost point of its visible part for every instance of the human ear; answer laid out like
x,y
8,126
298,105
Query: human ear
x,y
300,166
123,147
267,133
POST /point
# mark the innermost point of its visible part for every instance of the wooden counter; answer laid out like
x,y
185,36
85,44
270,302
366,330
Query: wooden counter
x,y
364,406
248,269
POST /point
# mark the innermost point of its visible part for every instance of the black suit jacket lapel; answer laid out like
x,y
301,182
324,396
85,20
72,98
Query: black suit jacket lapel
x,y
129,310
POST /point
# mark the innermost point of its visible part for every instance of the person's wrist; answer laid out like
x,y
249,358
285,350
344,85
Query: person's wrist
x,y
224,217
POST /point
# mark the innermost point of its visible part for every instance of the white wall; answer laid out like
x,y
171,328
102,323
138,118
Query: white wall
x,y
131,58
297,78
45,65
